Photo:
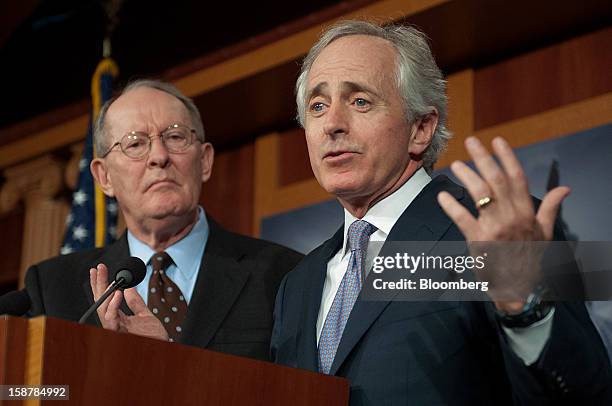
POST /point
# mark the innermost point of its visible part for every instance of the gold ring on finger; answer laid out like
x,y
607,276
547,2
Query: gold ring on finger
x,y
484,202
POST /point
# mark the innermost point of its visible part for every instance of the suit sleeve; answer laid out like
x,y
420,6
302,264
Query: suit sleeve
x,y
573,367
32,286
278,321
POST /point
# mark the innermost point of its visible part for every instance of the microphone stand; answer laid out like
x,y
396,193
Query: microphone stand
x,y
111,289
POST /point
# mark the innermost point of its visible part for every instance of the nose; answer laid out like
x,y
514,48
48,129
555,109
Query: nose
x,y
336,120
158,155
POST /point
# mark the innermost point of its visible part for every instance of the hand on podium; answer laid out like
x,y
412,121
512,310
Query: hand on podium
x,y
143,322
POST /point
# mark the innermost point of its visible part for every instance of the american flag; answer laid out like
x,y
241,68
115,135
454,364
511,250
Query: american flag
x,y
92,221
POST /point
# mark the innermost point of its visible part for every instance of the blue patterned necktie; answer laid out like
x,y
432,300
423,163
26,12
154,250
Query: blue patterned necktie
x,y
358,235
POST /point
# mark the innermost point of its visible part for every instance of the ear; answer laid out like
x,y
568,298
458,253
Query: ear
x,y
207,158
99,171
423,130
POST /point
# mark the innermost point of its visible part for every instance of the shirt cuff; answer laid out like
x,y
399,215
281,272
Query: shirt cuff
x,y
528,342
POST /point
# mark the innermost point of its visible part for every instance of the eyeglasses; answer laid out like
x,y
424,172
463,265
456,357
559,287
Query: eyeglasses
x,y
137,144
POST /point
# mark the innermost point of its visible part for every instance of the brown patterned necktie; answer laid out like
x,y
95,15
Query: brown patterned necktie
x,y
166,300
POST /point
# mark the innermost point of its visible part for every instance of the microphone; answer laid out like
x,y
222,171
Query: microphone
x,y
127,275
15,303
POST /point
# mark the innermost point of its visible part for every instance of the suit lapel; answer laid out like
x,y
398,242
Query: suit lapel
x,y
313,292
220,279
112,258
423,220
218,285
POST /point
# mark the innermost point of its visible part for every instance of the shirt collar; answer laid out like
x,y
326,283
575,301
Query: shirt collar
x,y
384,214
182,251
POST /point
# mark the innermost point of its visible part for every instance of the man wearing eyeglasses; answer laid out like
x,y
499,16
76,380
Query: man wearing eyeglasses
x,y
204,286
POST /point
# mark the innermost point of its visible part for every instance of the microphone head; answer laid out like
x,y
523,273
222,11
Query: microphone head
x,y
132,271
16,303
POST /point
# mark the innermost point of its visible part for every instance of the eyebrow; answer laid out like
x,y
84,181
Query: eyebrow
x,y
318,90
352,87
347,88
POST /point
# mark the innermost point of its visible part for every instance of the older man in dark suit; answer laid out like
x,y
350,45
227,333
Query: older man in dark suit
x,y
373,105
204,286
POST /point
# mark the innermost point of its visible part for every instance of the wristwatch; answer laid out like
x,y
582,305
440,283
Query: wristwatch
x,y
534,310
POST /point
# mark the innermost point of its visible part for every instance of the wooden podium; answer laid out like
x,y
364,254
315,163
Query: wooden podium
x,y
106,368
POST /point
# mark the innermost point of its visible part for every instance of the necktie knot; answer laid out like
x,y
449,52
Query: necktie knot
x,y
359,233
160,261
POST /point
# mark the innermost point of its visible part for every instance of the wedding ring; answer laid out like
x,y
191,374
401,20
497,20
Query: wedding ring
x,y
484,202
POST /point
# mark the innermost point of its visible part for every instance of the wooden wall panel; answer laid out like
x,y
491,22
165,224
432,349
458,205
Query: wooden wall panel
x,y
228,195
565,73
294,161
460,115
11,235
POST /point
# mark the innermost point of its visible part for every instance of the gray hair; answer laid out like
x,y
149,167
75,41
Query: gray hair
x,y
419,80
99,136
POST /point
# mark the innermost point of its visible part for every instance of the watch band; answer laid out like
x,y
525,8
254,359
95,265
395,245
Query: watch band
x,y
534,310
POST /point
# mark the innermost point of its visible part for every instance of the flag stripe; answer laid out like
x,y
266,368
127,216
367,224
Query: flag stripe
x,y
93,216
106,67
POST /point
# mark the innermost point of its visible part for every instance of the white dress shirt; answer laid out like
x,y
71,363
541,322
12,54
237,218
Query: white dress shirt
x,y
527,343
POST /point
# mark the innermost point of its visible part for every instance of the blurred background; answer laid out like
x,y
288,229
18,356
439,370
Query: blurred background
x,y
538,72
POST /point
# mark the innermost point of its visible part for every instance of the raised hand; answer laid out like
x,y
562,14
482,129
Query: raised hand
x,y
143,322
506,213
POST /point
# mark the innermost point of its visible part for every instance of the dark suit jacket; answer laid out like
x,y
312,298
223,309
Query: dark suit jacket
x,y
442,353
232,302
